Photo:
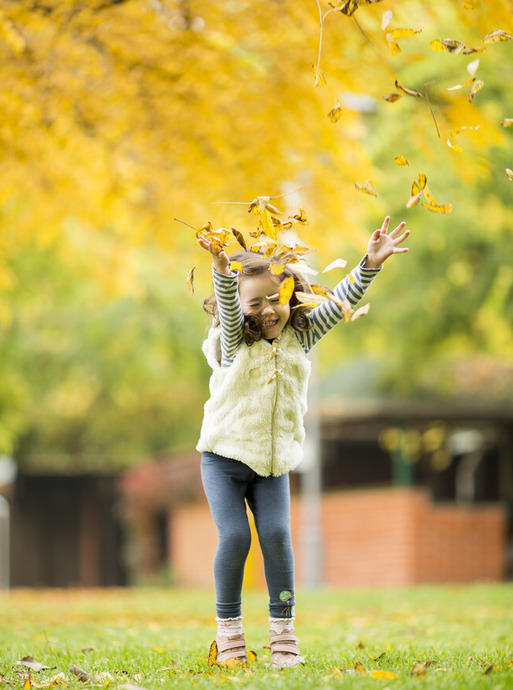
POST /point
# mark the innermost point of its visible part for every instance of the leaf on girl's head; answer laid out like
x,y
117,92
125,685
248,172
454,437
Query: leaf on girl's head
x,y
190,280
300,217
507,122
461,86
386,19
237,266
277,269
496,36
472,67
509,173
409,92
447,45
239,237
268,225
367,188
392,97
335,113
438,208
402,33
362,311
477,86
286,290
401,160
338,263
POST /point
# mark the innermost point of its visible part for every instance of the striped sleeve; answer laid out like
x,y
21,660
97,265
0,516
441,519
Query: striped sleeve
x,y
230,314
325,316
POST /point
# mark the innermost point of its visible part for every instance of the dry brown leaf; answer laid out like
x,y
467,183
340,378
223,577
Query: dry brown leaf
x,y
335,113
367,188
239,237
496,36
392,97
409,92
82,675
32,664
447,45
190,280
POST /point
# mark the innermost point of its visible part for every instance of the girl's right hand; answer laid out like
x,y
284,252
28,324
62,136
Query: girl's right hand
x,y
220,258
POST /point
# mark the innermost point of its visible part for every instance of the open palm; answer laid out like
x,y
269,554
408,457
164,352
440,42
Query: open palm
x,y
383,244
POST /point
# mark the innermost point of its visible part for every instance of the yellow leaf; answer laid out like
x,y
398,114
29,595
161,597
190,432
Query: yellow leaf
x,y
401,160
362,311
428,196
414,198
461,86
418,669
359,667
447,45
463,129
409,92
286,290
509,173
402,33
439,208
472,67
335,113
268,225
454,147
507,122
237,266
477,86
394,47
367,188
300,217
276,269
239,237
392,97
320,77
422,181
382,675
338,263
190,280
497,35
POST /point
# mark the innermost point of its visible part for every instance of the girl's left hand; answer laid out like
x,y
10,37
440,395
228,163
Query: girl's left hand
x,y
383,244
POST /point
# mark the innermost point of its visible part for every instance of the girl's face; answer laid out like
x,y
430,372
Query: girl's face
x,y
259,296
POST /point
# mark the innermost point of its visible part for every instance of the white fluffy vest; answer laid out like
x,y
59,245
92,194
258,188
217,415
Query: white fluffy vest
x,y
256,405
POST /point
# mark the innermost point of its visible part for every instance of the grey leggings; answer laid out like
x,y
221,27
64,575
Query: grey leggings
x,y
228,485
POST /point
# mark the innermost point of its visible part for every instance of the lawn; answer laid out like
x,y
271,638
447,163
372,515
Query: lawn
x,y
426,637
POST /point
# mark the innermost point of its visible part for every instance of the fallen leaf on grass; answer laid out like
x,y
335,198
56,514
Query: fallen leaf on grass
x,y
32,664
82,675
382,675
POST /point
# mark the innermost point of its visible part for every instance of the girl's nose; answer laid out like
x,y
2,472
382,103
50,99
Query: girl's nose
x,y
267,308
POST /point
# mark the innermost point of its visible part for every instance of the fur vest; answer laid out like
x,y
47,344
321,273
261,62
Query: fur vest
x,y
256,405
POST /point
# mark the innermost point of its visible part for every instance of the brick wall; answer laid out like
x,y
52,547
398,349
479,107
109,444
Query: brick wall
x,y
371,538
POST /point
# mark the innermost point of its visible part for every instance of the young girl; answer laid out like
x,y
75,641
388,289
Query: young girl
x,y
252,432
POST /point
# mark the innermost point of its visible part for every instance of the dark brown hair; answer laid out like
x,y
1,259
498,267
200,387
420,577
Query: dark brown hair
x,y
254,264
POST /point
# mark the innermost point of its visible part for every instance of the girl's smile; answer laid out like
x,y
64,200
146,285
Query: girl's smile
x,y
259,296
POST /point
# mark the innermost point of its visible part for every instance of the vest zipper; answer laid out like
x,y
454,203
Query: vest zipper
x,y
274,378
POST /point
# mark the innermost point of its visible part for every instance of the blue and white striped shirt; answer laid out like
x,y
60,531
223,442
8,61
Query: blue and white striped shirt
x,y
323,317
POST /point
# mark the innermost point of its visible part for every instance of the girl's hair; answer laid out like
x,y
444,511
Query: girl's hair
x,y
258,265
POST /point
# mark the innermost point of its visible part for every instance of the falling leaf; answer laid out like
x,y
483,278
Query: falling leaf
x,y
32,664
320,77
472,67
300,217
335,113
338,263
447,45
239,237
393,46
349,7
268,225
362,311
401,160
409,92
461,86
219,237
438,208
367,188
286,290
190,280
428,196
386,19
509,173
392,97
422,180
497,35
260,203
403,33
464,128
507,122
454,147
477,86
414,199
311,300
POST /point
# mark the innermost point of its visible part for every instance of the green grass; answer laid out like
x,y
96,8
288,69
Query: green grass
x,y
133,636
